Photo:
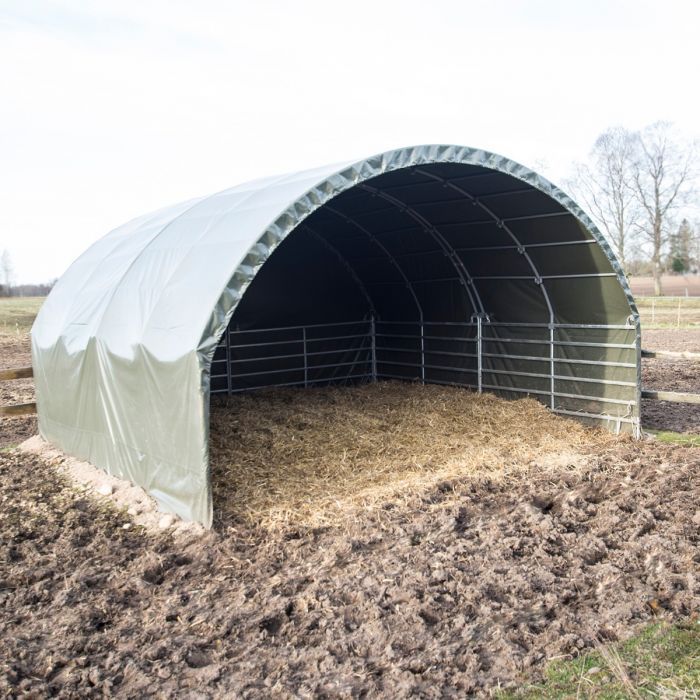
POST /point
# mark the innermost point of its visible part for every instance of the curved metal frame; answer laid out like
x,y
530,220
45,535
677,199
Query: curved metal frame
x,y
500,223
446,248
384,249
356,174
399,269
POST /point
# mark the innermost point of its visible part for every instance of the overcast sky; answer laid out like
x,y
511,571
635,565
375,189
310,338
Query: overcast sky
x,y
110,109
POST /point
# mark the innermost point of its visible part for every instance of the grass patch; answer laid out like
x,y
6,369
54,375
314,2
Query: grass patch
x,y
18,313
662,661
665,313
676,438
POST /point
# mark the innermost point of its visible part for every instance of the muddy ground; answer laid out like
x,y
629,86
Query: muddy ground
x,y
15,352
471,585
671,375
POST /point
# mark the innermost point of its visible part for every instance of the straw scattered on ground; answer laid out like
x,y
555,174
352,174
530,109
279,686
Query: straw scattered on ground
x,y
287,457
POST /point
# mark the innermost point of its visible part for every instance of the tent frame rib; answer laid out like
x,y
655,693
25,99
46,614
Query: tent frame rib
x,y
455,260
501,223
409,285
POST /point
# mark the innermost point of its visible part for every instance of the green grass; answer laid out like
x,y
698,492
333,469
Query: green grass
x,y
675,438
18,313
662,661
665,312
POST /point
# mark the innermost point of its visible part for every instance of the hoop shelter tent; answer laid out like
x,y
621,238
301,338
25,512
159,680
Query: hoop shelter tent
x,y
438,264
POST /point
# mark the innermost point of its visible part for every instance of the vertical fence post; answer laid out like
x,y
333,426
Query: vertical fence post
x,y
373,332
306,359
422,351
653,309
229,380
479,362
551,365
678,324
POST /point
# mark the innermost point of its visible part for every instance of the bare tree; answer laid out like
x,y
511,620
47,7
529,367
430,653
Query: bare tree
x,y
7,272
663,181
605,186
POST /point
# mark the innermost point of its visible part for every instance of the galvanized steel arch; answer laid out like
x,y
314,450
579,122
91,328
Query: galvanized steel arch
x,y
357,173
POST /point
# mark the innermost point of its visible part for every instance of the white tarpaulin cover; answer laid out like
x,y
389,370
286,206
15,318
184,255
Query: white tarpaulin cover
x,y
122,347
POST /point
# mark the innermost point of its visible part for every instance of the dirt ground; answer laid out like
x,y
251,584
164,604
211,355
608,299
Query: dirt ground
x,y
15,352
470,585
672,375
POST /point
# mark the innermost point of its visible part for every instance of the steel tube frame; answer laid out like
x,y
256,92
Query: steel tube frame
x,y
229,382
473,222
539,375
480,248
369,356
570,326
296,340
374,349
559,394
429,352
305,325
553,244
300,383
537,280
574,343
306,358
349,220
301,369
502,223
437,367
264,358
563,360
425,337
479,353
428,228
429,323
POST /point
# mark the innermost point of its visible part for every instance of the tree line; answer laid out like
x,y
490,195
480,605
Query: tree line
x,y
8,288
640,188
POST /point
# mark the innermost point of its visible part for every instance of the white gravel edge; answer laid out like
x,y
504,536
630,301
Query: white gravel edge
x,y
142,509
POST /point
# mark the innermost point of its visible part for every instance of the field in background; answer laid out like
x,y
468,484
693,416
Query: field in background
x,y
669,312
17,314
671,285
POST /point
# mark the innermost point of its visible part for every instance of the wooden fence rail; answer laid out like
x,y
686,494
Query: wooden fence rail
x,y
671,355
675,396
22,373
20,409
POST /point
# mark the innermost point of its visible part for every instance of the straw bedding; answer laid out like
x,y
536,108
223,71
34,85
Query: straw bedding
x,y
286,457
